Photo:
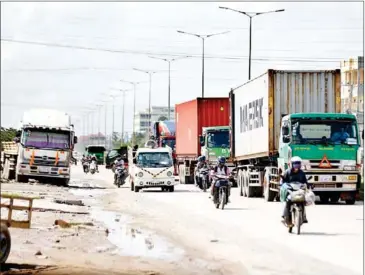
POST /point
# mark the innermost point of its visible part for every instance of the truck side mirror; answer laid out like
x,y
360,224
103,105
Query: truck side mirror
x,y
75,139
202,141
362,134
286,139
16,139
285,130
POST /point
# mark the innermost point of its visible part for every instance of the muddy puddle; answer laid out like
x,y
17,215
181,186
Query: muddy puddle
x,y
134,241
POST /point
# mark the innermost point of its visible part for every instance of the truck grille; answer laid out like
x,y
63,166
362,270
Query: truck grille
x,y
314,164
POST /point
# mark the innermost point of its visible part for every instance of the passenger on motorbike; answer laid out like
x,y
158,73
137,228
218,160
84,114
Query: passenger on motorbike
x,y
220,169
293,174
119,162
93,157
201,164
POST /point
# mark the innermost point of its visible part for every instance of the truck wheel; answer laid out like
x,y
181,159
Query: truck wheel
x,y
21,178
136,189
250,192
351,201
132,186
245,183
334,198
269,195
324,199
171,188
5,243
239,182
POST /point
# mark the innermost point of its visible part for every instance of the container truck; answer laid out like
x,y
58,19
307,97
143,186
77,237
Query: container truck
x,y
282,114
42,149
202,126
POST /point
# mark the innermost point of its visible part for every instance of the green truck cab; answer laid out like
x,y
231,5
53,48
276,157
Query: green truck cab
x,y
215,142
329,145
97,150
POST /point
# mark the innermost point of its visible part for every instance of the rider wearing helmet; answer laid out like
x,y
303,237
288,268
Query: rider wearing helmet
x,y
201,164
293,174
220,169
119,162
93,157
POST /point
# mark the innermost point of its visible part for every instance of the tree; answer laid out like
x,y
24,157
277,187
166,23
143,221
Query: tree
x,y
7,134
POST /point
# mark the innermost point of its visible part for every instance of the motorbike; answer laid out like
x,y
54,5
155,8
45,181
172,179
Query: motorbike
x,y
86,166
297,197
221,196
203,174
119,178
93,167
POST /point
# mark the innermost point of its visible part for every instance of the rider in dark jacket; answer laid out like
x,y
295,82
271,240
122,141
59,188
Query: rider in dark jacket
x,y
220,169
201,164
294,174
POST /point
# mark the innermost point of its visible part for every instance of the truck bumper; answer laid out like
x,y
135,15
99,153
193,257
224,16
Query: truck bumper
x,y
334,182
43,171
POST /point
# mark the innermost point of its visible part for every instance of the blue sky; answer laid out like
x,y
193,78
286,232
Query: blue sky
x,y
305,36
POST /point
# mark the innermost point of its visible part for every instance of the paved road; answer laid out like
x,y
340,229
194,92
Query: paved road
x,y
247,237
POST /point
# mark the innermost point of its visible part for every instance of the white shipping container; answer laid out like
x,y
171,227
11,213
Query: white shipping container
x,y
258,106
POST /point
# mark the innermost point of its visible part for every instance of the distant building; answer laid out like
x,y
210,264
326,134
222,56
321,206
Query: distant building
x,y
141,119
352,88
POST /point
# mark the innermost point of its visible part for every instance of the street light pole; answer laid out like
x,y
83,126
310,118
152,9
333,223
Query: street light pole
x,y
150,73
169,85
134,106
113,98
99,119
203,37
251,15
123,104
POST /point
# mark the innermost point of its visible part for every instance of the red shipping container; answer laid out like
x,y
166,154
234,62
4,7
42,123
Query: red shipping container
x,y
192,116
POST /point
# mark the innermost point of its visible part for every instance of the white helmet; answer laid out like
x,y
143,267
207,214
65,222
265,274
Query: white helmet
x,y
295,159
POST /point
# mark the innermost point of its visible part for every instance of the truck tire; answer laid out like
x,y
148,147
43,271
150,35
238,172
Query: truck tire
x,y
351,201
250,191
240,182
5,243
21,178
269,195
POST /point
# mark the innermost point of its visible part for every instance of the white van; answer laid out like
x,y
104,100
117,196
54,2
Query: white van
x,y
152,168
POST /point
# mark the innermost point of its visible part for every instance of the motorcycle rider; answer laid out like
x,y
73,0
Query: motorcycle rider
x,y
93,157
119,162
201,164
220,169
293,174
84,160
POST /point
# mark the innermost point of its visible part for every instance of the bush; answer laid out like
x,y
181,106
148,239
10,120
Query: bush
x,y
7,134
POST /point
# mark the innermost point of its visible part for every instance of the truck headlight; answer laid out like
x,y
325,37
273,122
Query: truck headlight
x,y
140,174
169,174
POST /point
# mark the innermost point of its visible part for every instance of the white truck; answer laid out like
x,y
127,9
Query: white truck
x,y
152,168
42,149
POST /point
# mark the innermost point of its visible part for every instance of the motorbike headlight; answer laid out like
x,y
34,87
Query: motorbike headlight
x,y
169,174
140,174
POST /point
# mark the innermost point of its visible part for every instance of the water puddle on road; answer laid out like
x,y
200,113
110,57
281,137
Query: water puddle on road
x,y
133,241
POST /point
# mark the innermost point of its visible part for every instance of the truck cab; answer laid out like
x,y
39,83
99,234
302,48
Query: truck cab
x,y
215,142
152,168
329,145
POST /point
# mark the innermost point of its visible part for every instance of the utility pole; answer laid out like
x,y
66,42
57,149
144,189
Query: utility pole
x,y
251,15
113,99
169,86
134,107
203,37
123,104
99,120
150,73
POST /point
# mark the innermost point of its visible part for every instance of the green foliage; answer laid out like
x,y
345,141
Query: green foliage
x,y
7,134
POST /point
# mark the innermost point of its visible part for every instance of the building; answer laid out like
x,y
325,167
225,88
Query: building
x,y
352,88
141,119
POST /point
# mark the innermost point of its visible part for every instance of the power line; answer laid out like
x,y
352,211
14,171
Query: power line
x,y
287,59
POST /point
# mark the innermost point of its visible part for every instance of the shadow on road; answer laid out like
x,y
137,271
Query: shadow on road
x,y
10,268
318,234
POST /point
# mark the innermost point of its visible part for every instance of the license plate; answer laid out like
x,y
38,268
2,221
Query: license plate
x,y
351,177
325,178
43,169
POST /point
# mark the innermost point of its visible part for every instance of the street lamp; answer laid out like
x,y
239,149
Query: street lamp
x,y
123,98
251,15
203,37
134,105
150,73
169,89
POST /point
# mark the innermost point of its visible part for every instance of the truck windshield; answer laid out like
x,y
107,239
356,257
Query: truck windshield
x,y
218,139
46,139
154,159
323,132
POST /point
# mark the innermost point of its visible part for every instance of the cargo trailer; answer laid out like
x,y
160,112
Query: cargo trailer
x,y
202,126
282,114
